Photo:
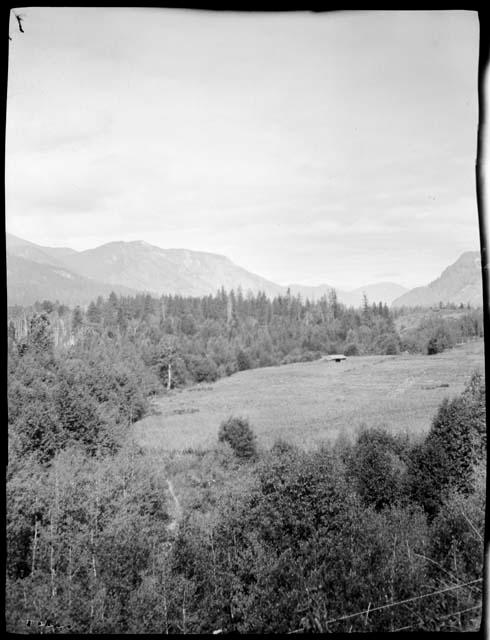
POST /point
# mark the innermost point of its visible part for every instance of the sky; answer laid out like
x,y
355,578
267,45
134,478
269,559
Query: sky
x,y
309,148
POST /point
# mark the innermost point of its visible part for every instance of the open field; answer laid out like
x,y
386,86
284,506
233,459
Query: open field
x,y
308,402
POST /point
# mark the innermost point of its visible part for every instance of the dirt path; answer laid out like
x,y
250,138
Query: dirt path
x,y
177,511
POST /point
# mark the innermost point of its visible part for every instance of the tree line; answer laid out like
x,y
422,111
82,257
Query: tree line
x,y
189,339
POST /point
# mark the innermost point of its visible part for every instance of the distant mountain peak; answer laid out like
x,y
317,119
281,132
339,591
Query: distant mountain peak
x,y
139,266
460,282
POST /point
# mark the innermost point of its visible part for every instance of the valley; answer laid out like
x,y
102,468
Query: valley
x,y
246,306
305,403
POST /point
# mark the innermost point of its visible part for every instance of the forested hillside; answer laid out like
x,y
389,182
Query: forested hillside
x,y
196,339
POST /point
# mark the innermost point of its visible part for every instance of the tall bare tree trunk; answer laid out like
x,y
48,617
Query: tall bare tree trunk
x,y
53,518
70,575
51,555
183,612
165,606
92,544
215,580
392,582
34,547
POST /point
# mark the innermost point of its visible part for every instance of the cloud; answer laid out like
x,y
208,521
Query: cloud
x,y
303,146
38,182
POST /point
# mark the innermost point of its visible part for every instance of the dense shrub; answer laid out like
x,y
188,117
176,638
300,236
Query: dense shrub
x,y
81,534
239,435
391,346
433,334
413,342
243,361
283,447
202,369
440,341
455,443
85,394
351,350
376,463
297,355
301,539
260,548
456,549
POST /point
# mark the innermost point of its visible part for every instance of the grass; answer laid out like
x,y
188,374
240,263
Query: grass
x,y
307,403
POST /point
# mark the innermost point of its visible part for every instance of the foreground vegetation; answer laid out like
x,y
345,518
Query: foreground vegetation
x,y
286,540
380,533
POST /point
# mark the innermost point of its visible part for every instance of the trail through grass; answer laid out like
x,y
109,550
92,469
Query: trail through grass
x,y
177,509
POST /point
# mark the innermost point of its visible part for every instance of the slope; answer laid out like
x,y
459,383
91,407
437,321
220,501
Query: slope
x,y
173,271
29,281
459,283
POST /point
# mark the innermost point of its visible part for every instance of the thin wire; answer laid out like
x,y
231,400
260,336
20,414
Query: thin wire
x,y
395,604
410,626
471,525
419,555
448,615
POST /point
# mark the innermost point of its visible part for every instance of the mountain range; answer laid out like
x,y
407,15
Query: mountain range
x,y
36,272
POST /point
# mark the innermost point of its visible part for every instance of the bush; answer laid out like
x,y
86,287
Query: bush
x,y
439,341
239,435
413,342
243,361
454,444
351,349
301,355
391,347
283,447
458,530
377,466
202,369
299,539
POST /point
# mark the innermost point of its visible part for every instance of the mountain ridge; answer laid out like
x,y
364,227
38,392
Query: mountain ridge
x,y
175,271
29,281
459,283
135,266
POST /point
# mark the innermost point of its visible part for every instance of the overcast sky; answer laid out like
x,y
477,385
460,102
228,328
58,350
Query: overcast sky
x,y
308,148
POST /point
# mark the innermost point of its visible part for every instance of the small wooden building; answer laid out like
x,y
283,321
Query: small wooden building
x,y
337,357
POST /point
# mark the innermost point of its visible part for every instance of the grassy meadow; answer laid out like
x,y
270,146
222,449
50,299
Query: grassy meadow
x,y
305,403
